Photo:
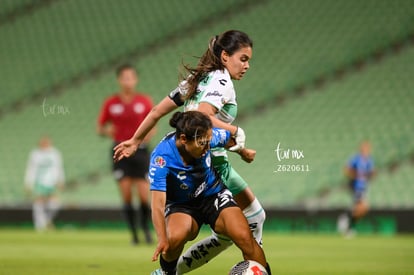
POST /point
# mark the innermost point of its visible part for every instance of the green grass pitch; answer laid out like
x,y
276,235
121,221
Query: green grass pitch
x,y
108,252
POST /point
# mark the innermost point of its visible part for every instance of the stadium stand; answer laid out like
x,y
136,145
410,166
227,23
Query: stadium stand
x,y
70,38
9,6
327,124
293,47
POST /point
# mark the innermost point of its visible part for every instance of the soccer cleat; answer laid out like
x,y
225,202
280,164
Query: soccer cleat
x,y
158,272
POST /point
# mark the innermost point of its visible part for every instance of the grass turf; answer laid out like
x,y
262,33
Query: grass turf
x,y
108,252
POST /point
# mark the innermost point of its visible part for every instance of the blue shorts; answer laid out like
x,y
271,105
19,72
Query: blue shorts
x,y
205,210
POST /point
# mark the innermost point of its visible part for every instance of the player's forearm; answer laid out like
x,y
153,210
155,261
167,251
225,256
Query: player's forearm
x,y
158,217
223,125
147,124
149,136
160,110
350,173
103,131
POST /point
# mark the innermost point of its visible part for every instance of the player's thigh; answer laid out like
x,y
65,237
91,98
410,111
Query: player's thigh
x,y
232,223
125,188
361,208
181,227
142,189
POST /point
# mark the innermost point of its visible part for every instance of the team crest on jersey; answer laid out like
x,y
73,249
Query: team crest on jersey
x,y
224,100
160,161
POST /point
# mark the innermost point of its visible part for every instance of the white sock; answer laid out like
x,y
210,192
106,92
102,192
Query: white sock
x,y
202,252
39,216
255,216
53,207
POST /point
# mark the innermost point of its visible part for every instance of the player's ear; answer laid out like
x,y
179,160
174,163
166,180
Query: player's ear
x,y
183,139
224,56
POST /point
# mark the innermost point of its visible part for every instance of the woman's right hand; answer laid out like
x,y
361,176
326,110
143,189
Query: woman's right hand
x,y
161,248
247,155
125,149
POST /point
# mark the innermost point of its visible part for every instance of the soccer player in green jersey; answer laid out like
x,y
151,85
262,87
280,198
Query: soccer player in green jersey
x,y
209,89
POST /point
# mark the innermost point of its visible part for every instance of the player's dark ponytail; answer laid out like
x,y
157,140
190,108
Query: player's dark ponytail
x,y
192,124
230,42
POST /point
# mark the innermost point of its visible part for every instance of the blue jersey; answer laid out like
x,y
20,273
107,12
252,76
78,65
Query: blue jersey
x,y
183,183
363,167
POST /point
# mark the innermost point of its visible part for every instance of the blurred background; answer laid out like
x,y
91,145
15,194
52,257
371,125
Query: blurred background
x,y
325,75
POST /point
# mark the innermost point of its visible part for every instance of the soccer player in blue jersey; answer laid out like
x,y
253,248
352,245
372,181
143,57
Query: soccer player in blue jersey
x,y
360,170
187,192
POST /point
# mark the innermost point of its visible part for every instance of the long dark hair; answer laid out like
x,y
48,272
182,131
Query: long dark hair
x,y
230,42
192,124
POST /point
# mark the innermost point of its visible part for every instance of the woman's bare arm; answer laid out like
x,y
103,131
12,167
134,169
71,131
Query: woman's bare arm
x,y
158,219
127,148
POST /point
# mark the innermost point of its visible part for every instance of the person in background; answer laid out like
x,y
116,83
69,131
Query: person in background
x,y
120,115
359,171
44,176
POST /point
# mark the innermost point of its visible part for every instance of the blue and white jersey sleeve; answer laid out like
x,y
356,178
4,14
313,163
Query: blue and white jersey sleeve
x,y
158,172
220,138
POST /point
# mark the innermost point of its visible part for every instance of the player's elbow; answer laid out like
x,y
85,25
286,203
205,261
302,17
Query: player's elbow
x,y
99,130
156,113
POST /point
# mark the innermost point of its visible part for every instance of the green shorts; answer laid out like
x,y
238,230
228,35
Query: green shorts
x,y
43,190
234,182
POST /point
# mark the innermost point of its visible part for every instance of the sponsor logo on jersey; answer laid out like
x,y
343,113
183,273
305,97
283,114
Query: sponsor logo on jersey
x,y
181,175
116,109
139,108
160,161
223,82
184,186
215,93
200,189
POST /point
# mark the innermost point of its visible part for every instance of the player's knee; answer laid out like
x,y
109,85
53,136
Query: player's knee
x,y
176,240
244,240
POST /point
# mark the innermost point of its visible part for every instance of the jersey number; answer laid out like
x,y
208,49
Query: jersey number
x,y
222,200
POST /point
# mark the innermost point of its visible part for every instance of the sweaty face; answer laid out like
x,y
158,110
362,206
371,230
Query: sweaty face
x,y
200,145
128,79
238,63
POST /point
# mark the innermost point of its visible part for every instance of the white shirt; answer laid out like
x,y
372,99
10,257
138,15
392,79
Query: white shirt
x,y
44,167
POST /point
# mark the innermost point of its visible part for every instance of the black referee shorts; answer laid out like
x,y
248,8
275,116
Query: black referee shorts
x,y
136,166
204,210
